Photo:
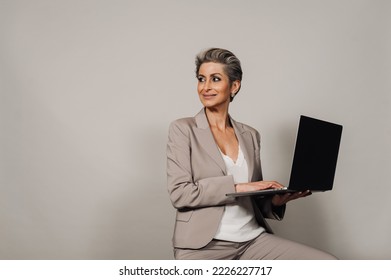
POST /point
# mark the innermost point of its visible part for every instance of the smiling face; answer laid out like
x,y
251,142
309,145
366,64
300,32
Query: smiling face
x,y
214,86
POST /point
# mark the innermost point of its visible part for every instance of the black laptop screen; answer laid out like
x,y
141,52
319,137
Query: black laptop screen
x,y
315,155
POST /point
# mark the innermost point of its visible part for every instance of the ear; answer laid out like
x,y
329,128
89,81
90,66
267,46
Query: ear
x,y
235,87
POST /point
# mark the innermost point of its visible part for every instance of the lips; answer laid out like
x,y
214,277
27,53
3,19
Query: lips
x,y
209,95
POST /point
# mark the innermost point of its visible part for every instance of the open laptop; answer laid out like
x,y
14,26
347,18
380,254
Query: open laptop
x,y
314,161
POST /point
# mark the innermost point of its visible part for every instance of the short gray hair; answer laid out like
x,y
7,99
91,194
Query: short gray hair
x,y
231,63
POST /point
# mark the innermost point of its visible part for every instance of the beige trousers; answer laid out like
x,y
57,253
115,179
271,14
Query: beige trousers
x,y
264,247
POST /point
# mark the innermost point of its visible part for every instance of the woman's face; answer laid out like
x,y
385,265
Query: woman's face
x,y
214,87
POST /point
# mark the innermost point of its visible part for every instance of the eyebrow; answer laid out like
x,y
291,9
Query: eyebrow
x,y
213,74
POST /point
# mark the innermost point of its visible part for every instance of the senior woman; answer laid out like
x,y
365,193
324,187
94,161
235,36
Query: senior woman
x,y
210,155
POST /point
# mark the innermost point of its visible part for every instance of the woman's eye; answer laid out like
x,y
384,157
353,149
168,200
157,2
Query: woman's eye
x,y
216,79
201,79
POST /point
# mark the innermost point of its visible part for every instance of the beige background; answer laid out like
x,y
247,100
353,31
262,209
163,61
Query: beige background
x,y
88,89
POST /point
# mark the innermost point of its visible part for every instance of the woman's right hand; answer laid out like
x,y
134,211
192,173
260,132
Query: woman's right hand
x,y
256,186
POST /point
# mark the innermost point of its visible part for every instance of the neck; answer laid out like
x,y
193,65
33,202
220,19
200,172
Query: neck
x,y
218,118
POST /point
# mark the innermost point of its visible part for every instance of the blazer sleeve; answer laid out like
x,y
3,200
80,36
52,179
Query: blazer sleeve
x,y
269,211
184,192
264,204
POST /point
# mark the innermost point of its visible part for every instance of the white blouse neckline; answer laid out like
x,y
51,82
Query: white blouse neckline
x,y
228,160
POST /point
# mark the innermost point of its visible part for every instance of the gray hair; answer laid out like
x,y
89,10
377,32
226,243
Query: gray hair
x,y
231,63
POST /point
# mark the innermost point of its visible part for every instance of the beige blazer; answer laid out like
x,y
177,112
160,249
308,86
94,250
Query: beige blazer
x,y
198,181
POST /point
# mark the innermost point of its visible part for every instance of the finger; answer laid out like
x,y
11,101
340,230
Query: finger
x,y
307,193
303,194
299,194
285,198
268,185
275,185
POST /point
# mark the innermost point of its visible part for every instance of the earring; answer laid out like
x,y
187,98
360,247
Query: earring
x,y
232,95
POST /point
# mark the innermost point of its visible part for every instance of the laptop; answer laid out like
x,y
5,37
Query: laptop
x,y
314,160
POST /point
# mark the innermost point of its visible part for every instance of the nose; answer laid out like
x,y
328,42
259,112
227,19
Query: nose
x,y
207,85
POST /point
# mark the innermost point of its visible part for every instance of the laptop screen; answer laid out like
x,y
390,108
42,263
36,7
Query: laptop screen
x,y
315,155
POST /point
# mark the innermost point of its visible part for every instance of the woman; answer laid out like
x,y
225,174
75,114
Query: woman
x,y
210,155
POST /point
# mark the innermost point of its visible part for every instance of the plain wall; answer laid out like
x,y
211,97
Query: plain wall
x,y
88,89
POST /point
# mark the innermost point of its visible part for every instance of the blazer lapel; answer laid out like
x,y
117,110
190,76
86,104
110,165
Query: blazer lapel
x,y
247,145
205,137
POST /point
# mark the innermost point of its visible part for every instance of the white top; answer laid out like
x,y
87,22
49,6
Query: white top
x,y
238,223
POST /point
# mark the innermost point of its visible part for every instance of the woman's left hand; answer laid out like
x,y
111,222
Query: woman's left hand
x,y
279,200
